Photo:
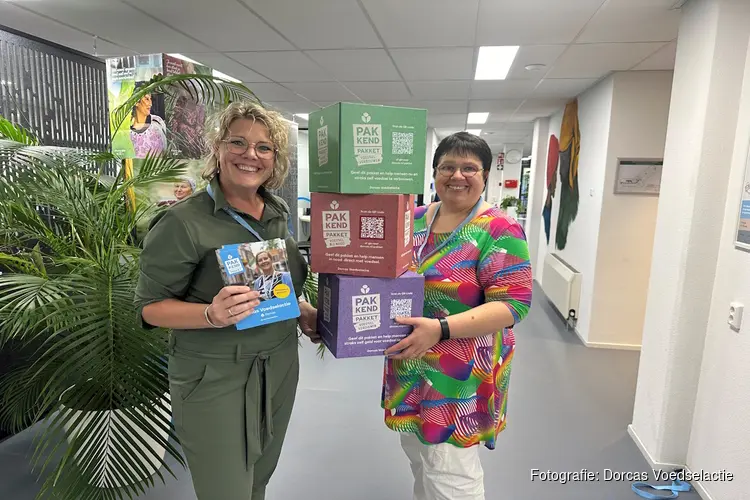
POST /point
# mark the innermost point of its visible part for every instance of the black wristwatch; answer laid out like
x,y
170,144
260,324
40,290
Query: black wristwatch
x,y
445,331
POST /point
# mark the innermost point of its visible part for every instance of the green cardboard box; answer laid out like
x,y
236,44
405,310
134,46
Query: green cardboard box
x,y
367,149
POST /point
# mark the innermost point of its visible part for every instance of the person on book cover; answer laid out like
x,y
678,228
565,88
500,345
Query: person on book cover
x,y
269,277
231,391
445,386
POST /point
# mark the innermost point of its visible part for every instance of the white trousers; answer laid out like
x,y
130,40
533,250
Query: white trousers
x,y
444,471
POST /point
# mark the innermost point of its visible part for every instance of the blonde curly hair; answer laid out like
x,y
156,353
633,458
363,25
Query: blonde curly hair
x,y
277,129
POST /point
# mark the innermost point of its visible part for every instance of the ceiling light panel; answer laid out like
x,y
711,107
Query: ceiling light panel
x,y
494,63
477,118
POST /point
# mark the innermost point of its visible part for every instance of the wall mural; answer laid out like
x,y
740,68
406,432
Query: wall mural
x,y
570,148
553,155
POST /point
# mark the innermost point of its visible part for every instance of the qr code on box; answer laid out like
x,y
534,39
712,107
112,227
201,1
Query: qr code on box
x,y
403,143
400,307
372,228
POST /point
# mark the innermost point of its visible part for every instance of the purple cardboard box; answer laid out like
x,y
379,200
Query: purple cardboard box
x,y
355,314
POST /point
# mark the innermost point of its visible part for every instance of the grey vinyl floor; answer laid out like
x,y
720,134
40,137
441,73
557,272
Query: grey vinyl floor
x,y
568,410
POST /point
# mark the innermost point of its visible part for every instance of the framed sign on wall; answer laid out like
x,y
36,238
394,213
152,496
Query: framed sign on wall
x,y
641,176
742,237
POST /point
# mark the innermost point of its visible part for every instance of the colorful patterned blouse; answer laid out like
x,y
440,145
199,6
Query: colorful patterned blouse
x,y
457,393
151,140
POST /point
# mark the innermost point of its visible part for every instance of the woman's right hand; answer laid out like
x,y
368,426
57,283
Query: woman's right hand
x,y
232,304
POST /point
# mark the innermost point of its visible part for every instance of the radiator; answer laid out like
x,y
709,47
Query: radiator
x,y
562,285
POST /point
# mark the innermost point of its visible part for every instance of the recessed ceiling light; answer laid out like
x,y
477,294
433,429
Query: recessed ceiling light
x,y
494,63
535,67
304,116
224,76
474,131
477,118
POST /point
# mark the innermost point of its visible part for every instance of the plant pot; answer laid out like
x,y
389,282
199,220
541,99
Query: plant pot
x,y
157,452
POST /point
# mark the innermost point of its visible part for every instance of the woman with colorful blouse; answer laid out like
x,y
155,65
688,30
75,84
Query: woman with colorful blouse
x,y
445,386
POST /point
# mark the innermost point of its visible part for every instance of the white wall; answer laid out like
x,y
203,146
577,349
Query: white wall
x,y
611,240
494,182
537,189
511,171
686,408
543,247
638,129
594,112
720,433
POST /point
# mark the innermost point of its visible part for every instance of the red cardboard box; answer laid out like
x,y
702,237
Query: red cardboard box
x,y
361,234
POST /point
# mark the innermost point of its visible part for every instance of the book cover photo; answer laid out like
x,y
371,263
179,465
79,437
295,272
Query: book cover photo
x,y
263,266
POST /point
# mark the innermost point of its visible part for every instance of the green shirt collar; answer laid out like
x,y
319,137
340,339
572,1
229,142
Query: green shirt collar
x,y
219,201
271,211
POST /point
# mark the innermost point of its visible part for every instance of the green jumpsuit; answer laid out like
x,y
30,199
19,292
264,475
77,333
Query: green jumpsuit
x,y
232,391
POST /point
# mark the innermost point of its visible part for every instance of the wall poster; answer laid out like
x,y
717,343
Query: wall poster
x,y
570,151
742,239
638,176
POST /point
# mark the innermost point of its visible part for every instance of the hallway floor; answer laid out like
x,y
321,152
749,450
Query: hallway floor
x,y
569,409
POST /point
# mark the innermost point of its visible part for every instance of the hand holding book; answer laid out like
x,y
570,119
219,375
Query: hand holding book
x,y
231,305
260,268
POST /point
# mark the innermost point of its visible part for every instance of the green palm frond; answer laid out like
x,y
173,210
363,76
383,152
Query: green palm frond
x,y
13,132
206,89
310,289
65,235
19,392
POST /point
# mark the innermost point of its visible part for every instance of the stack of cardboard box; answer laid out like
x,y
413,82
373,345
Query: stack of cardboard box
x,y
366,164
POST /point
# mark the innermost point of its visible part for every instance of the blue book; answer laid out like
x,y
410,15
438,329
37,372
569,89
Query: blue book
x,y
263,266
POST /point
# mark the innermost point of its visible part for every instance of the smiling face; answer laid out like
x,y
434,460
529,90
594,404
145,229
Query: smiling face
x,y
459,180
263,260
182,190
245,170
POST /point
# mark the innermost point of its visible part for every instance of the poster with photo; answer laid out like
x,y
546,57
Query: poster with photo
x,y
161,195
186,117
742,239
145,130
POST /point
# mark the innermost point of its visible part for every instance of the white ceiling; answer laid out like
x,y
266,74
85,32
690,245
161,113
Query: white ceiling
x,y
299,55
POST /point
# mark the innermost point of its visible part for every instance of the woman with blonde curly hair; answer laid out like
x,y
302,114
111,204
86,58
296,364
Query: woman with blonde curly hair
x,y
232,390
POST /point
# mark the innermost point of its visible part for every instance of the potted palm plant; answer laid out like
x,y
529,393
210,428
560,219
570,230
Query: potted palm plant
x,y
96,378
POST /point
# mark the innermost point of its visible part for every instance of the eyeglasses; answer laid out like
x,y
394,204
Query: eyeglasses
x,y
449,170
238,146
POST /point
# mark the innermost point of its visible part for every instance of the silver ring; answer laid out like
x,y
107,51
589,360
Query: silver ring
x,y
230,311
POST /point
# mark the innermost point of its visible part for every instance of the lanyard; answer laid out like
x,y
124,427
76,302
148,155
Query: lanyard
x,y
268,284
676,487
420,259
242,222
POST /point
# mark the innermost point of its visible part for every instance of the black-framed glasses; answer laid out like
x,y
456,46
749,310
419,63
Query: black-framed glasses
x,y
466,170
238,146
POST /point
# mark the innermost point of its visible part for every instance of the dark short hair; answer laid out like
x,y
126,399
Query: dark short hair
x,y
464,144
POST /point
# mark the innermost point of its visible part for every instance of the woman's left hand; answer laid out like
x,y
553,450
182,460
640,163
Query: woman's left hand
x,y
308,321
425,335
